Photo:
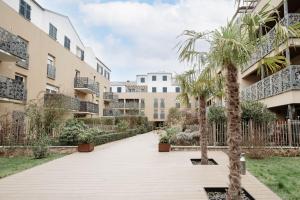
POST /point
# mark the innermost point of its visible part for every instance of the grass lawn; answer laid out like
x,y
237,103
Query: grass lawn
x,y
9,166
282,175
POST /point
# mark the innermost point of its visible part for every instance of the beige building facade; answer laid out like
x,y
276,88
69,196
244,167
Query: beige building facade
x,y
150,95
280,91
35,64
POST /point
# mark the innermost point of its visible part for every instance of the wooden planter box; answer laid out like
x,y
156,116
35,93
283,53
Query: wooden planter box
x,y
85,147
164,147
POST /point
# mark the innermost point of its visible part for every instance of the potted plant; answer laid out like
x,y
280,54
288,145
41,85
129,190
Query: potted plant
x,y
85,142
164,143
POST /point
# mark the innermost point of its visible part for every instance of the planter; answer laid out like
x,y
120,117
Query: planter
x,y
162,147
85,147
220,194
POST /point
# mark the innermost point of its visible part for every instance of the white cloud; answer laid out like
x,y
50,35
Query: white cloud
x,y
143,36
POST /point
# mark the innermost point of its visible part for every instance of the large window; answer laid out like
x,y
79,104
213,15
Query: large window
x,y
25,10
155,104
143,80
154,89
165,78
52,31
67,43
177,89
119,89
153,78
162,103
165,89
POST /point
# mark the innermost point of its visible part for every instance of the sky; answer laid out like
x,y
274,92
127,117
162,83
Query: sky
x,y
139,36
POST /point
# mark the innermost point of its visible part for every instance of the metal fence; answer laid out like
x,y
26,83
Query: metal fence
x,y
281,133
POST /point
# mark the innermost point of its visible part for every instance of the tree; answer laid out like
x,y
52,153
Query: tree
x,y
198,87
231,46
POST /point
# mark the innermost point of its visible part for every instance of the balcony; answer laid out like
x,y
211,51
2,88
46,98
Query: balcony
x,y
285,80
132,105
61,101
86,85
51,71
87,107
117,105
110,96
11,89
12,47
268,45
107,112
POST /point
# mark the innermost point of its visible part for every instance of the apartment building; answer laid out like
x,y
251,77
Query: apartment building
x,y
43,57
151,95
279,91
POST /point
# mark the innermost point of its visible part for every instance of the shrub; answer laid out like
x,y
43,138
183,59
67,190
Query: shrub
x,y
164,139
41,148
110,137
185,139
86,137
122,126
172,131
70,132
174,116
216,114
257,111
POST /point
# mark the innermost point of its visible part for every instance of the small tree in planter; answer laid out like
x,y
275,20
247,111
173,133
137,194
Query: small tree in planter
x,y
164,143
85,142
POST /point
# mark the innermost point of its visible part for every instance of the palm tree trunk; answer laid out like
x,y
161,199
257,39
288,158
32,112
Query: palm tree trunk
x,y
203,130
234,132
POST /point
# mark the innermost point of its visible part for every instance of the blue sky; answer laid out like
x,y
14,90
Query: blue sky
x,y
138,36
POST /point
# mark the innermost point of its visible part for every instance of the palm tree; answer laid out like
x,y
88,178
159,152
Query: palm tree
x,y
198,87
231,48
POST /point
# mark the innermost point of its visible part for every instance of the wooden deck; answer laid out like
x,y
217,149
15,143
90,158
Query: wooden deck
x,y
130,169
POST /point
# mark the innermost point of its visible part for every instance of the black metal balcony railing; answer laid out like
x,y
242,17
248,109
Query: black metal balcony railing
x,y
12,89
117,105
285,80
13,44
268,43
89,107
86,83
110,96
51,71
61,101
107,112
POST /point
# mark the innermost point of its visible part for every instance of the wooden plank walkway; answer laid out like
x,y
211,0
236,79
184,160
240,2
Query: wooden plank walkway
x,y
130,169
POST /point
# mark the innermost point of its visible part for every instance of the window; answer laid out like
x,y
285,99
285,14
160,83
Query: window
x,y
119,89
177,89
98,67
110,89
51,71
80,53
25,10
162,103
67,43
50,89
154,89
143,80
155,104
101,70
20,78
153,78
162,115
52,31
165,78
108,75
165,89
77,73
142,103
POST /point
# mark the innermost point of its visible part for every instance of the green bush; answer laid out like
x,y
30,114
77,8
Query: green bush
x,y
172,131
164,139
216,114
174,116
86,137
256,111
41,149
122,125
110,137
70,132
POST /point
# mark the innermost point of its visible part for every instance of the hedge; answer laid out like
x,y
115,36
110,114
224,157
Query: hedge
x,y
110,137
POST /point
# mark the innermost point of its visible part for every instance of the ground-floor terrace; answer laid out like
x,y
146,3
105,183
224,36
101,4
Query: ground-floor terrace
x,y
127,169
